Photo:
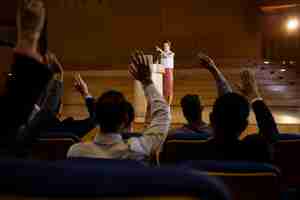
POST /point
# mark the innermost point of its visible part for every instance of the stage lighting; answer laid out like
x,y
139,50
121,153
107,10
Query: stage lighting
x,y
292,24
283,70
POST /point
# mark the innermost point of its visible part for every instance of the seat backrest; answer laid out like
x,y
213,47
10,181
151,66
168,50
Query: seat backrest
x,y
246,180
289,136
179,150
38,180
162,197
286,158
189,136
51,148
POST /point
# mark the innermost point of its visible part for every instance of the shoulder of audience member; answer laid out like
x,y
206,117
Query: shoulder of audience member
x,y
79,149
176,130
255,139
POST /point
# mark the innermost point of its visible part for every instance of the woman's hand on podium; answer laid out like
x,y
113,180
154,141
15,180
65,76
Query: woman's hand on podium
x,y
140,68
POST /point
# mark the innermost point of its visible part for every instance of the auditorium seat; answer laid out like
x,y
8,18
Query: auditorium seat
x,y
188,136
286,158
127,136
103,179
177,150
53,146
289,136
246,180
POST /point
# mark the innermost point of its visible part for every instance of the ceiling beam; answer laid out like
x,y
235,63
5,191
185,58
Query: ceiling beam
x,y
277,2
273,6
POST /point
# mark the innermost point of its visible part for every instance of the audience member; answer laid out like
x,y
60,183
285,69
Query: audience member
x,y
192,111
47,110
229,119
191,105
112,117
83,89
29,75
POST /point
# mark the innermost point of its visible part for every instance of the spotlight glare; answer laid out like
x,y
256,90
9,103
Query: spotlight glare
x,y
283,70
292,24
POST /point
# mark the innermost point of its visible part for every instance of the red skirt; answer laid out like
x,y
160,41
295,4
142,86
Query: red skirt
x,y
168,82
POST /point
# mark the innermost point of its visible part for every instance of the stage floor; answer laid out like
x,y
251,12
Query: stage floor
x,y
192,81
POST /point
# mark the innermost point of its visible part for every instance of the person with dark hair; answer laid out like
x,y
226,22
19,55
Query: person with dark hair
x,y
32,42
47,111
229,118
113,116
192,107
82,88
192,111
28,77
131,116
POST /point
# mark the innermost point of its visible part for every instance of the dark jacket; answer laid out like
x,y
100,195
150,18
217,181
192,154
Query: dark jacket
x,y
27,80
256,147
252,148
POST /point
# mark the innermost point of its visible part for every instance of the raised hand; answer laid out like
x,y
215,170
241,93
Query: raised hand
x,y
56,65
140,68
81,86
249,87
223,85
33,5
158,49
206,61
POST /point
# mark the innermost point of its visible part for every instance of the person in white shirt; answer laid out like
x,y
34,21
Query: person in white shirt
x,y
167,61
111,114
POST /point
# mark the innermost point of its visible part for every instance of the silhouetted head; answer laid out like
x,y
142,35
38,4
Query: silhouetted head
x,y
191,108
130,117
113,112
31,18
229,117
167,45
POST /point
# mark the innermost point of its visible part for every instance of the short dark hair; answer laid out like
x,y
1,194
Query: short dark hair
x,y
168,42
130,113
111,111
31,16
191,107
230,114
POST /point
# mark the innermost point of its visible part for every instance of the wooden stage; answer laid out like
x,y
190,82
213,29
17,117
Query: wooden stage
x,y
285,106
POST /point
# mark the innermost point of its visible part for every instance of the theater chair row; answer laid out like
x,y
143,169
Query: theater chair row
x,y
182,147
244,180
83,179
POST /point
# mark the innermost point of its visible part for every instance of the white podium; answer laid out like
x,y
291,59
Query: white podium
x,y
140,103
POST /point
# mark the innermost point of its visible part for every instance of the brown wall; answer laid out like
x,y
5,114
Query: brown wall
x,y
102,34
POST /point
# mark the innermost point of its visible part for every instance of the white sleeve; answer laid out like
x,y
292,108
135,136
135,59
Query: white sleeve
x,y
155,134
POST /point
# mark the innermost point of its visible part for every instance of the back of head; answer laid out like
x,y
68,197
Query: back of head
x,y
130,115
31,17
111,111
191,108
230,116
